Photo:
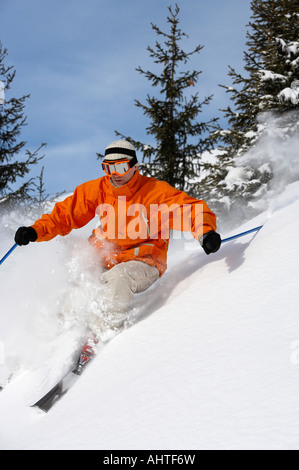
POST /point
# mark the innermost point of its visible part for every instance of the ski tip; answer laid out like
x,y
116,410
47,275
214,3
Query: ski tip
x,y
39,410
46,402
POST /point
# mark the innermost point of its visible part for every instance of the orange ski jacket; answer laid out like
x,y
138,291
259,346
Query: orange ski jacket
x,y
135,219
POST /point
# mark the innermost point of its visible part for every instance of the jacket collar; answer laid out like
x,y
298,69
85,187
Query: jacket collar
x,y
128,189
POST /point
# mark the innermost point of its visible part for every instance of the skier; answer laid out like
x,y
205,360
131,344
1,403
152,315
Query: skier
x,y
132,248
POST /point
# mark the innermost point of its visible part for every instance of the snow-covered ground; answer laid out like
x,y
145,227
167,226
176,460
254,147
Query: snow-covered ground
x,y
211,362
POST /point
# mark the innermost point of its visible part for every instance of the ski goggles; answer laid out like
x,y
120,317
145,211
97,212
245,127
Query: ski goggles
x,y
120,167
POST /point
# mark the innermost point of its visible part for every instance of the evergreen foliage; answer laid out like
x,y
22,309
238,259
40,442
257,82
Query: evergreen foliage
x,y
40,202
266,93
13,165
173,113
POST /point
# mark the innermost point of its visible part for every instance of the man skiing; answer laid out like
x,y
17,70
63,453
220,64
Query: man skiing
x,y
137,214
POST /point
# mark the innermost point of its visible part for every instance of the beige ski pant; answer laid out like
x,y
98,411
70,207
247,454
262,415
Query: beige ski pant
x,y
120,283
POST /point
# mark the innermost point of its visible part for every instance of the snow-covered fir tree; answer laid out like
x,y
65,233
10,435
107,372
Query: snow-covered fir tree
x,y
265,98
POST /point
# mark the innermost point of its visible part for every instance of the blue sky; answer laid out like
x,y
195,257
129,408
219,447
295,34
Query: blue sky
x,y
77,60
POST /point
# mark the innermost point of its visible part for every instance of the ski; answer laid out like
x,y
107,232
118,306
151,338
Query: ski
x,y
60,389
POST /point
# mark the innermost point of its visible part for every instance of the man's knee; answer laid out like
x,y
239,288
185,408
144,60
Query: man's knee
x,y
118,278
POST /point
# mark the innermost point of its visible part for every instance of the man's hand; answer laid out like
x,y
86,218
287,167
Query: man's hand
x,y
24,235
211,242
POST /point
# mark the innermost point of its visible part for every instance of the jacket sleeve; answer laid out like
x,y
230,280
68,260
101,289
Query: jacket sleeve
x,y
187,213
74,212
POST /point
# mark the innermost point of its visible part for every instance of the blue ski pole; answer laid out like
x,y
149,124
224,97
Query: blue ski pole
x,y
242,234
8,253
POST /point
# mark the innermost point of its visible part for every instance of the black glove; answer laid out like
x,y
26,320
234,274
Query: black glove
x,y
24,235
211,242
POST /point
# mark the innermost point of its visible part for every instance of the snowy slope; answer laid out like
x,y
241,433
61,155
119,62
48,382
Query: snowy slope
x,y
212,361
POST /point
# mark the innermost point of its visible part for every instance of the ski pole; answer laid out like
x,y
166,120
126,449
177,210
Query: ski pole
x,y
242,234
8,253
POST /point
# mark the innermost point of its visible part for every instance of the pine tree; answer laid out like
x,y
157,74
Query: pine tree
x,y
13,165
39,201
267,90
271,65
179,137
